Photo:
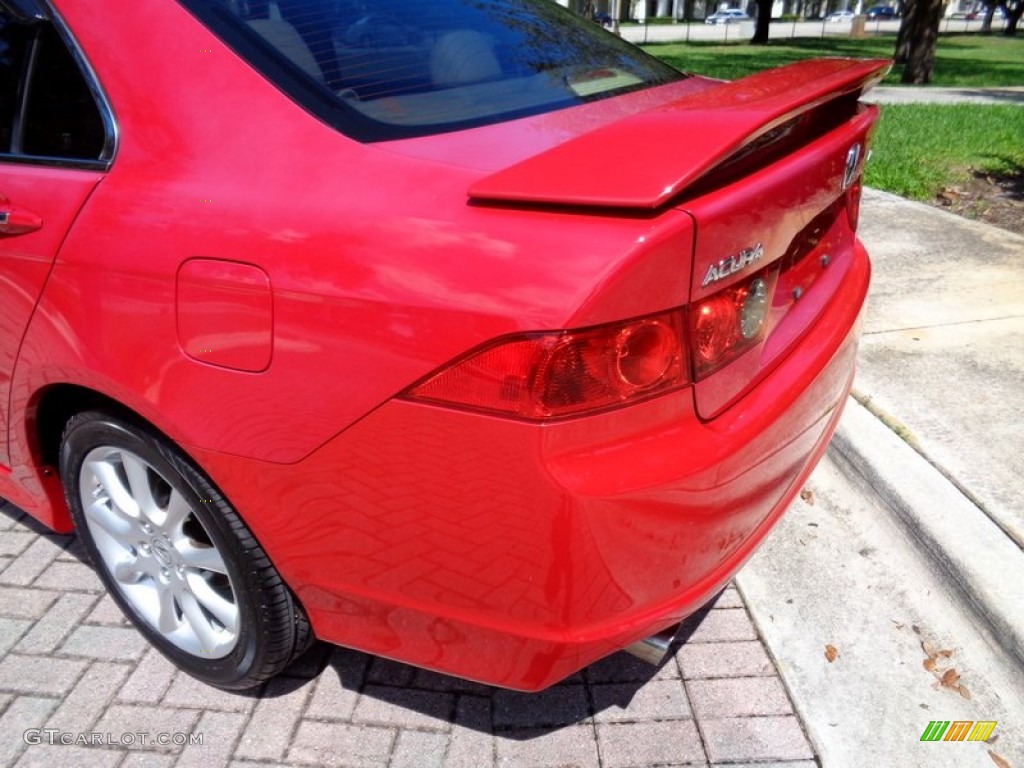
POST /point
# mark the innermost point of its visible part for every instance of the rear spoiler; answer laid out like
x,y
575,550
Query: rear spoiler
x,y
645,160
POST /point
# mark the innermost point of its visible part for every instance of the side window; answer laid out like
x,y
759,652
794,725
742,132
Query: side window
x,y
47,110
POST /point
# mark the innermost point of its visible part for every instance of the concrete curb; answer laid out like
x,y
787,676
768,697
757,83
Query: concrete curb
x,y
961,541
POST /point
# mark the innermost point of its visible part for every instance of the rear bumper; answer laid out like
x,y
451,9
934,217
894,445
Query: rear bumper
x,y
514,554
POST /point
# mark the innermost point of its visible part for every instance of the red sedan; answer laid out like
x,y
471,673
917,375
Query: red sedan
x,y
461,333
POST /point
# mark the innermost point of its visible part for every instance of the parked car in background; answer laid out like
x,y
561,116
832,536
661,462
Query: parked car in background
x,y
840,17
731,16
413,331
882,12
602,18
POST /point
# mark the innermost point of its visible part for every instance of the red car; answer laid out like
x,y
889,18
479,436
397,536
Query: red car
x,y
480,340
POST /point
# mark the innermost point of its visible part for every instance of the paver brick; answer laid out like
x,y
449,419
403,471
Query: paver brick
x,y
724,624
416,749
47,756
23,713
330,699
186,691
388,672
269,731
558,705
147,760
642,744
137,726
39,674
105,643
739,739
405,708
151,678
107,612
471,744
745,658
624,702
11,631
739,697
69,576
56,623
624,668
340,744
81,708
569,747
13,543
730,598
10,516
33,561
19,603
74,551
435,681
219,732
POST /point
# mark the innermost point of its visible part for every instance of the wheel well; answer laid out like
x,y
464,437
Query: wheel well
x,y
58,404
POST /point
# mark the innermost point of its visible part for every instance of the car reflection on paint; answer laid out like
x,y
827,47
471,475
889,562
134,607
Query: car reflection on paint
x,y
463,333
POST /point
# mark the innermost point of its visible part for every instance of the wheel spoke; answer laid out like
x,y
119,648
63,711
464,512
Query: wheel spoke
x,y
120,496
112,521
197,621
225,611
128,571
167,620
174,515
204,558
139,483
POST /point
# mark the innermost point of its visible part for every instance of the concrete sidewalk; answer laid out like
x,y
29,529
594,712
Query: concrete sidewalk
x,y
933,95
910,537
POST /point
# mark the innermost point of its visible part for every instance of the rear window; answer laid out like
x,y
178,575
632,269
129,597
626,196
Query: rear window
x,y
399,68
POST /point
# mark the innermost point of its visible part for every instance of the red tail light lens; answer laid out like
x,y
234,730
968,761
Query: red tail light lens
x,y
728,323
853,202
566,373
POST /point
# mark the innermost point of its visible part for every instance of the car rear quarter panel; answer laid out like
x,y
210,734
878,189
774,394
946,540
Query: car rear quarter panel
x,y
379,268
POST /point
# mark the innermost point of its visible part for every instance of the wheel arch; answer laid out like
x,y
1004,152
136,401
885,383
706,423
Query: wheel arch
x,y
46,415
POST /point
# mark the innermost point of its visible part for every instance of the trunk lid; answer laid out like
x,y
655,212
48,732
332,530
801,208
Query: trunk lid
x,y
769,169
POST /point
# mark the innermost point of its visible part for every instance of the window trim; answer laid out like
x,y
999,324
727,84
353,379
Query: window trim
x,y
45,14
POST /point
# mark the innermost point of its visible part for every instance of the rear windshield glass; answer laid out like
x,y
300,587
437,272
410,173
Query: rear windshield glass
x,y
388,69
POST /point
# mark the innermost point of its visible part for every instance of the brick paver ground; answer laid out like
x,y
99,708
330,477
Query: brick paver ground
x,y
72,669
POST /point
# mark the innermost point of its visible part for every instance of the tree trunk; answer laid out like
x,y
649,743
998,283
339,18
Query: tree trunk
x,y
922,34
986,22
764,18
1013,17
903,38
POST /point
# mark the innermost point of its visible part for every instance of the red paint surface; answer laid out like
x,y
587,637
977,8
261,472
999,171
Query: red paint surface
x,y
507,552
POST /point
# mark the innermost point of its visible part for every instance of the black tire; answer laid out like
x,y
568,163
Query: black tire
x,y
193,578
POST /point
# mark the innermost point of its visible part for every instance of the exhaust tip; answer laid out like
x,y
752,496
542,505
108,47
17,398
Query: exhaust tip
x,y
653,649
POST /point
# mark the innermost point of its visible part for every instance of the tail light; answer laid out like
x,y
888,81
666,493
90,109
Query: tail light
x,y
544,376
853,202
566,373
728,323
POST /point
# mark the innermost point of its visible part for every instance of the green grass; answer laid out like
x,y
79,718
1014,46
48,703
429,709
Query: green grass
x,y
960,60
920,148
